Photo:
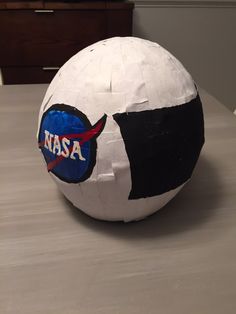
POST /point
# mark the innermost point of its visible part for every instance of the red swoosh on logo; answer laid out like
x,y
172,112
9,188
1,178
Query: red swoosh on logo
x,y
85,137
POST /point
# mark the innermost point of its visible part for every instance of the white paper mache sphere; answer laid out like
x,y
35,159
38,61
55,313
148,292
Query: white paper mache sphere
x,y
121,128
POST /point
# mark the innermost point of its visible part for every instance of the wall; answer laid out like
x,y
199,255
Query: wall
x,y
201,34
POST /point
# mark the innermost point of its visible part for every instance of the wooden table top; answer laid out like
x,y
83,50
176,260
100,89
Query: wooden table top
x,y
56,260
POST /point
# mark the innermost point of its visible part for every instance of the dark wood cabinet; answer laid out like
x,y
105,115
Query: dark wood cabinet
x,y
36,38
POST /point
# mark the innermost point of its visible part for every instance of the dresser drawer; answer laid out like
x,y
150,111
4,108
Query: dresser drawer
x,y
37,36
42,37
28,75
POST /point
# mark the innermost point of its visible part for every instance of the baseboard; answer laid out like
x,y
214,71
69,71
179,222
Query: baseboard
x,y
185,3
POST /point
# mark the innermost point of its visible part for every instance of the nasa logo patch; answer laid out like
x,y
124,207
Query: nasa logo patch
x,y
68,142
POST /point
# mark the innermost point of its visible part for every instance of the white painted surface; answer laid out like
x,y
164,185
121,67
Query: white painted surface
x,y
117,75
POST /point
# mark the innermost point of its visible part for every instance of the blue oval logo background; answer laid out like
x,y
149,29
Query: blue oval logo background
x,y
77,141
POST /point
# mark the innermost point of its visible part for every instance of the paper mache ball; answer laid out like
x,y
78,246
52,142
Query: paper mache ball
x,y
121,128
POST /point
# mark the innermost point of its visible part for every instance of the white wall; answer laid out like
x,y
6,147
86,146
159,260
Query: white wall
x,y
202,35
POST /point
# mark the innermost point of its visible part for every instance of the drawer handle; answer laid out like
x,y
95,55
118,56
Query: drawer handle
x,y
44,11
51,68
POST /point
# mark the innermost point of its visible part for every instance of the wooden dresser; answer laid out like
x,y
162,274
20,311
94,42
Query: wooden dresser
x,y
38,37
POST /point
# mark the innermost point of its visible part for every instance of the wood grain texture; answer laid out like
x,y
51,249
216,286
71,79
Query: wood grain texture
x,y
52,38
27,75
54,259
50,35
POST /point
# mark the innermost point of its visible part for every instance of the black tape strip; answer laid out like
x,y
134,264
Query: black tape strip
x,y
163,146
